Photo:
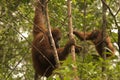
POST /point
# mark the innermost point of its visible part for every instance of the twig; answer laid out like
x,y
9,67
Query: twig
x,y
117,11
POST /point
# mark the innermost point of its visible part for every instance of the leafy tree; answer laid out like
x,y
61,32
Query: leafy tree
x,y
16,22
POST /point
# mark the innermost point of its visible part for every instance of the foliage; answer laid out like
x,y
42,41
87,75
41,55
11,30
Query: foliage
x,y
15,48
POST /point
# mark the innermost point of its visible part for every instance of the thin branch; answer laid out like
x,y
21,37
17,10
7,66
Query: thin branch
x,y
15,66
25,54
51,38
71,37
117,11
104,3
114,16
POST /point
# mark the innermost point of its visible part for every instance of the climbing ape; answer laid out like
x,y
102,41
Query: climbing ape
x,y
96,37
42,52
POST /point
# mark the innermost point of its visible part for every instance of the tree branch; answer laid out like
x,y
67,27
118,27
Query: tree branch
x,y
104,25
51,37
116,23
114,16
71,37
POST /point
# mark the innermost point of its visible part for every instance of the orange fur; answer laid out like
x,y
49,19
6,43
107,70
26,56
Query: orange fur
x,y
96,37
42,45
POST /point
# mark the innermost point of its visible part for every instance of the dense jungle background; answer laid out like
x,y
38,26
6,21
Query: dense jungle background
x,y
16,24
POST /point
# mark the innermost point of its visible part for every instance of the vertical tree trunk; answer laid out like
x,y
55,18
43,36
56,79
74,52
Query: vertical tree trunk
x,y
51,37
71,37
115,20
104,24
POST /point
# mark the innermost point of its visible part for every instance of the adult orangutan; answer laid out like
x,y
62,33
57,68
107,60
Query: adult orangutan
x,y
42,52
96,37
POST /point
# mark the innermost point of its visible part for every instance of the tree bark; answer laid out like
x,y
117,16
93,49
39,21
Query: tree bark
x,y
71,37
51,37
104,24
